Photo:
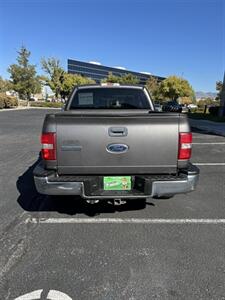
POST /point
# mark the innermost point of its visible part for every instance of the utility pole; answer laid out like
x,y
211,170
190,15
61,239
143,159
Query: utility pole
x,y
222,99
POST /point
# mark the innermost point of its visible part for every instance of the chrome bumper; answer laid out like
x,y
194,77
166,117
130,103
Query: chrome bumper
x,y
164,188
45,187
159,188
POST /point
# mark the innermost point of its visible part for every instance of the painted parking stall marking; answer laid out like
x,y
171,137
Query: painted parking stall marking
x,y
209,164
52,295
123,221
32,295
216,143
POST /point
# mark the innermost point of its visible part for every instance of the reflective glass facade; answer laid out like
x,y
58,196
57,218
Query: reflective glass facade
x,y
98,72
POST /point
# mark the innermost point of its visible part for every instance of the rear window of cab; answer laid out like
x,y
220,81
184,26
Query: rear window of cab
x,y
110,98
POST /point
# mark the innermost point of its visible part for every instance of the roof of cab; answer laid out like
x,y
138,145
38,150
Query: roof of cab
x,y
110,85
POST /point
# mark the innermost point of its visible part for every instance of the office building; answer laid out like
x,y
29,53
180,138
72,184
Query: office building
x,y
97,71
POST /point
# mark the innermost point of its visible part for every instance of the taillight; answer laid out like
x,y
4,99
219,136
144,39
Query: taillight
x,y
185,145
48,141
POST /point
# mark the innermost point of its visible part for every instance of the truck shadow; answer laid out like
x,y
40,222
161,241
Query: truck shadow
x,y
204,132
30,200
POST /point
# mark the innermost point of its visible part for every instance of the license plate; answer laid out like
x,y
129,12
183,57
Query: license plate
x,y
117,183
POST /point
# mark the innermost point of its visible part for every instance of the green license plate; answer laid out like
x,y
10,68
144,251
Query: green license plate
x,y
117,183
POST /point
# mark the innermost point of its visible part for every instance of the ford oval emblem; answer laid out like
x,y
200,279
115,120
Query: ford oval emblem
x,y
117,148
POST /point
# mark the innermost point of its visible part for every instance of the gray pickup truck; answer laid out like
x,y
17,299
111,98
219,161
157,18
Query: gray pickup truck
x,y
110,143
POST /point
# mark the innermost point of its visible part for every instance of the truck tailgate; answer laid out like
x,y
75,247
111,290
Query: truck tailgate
x,y
82,142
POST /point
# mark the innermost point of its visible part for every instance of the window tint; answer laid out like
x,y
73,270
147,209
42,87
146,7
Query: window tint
x,y
110,98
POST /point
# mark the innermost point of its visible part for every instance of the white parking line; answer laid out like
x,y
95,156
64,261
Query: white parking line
x,y
52,295
217,143
123,221
209,164
29,296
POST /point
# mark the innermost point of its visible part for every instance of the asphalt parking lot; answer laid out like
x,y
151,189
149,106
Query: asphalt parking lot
x,y
52,246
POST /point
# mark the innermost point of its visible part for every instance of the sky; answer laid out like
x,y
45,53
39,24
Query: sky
x,y
164,37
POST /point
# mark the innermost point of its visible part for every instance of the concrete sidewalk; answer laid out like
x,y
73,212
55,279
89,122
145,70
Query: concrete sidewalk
x,y
217,128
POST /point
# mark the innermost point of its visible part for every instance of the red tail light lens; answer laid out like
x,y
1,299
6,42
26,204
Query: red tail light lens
x,y
48,141
185,145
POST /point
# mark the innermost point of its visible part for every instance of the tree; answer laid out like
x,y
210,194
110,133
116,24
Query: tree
x,y
70,80
220,86
55,72
4,85
185,100
111,78
153,87
124,79
207,101
60,82
23,75
128,79
174,87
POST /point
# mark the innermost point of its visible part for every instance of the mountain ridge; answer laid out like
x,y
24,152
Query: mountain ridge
x,y
200,94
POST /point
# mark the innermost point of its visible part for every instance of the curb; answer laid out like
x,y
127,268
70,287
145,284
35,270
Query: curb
x,y
44,107
24,108
10,109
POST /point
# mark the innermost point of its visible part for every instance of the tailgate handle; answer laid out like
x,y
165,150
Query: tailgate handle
x,y
118,131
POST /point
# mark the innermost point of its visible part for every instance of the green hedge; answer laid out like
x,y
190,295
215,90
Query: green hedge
x,y
7,101
46,104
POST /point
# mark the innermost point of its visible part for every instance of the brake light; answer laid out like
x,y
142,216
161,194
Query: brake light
x,y
48,141
185,145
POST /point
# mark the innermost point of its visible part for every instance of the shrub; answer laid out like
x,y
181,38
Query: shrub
x,y
46,104
193,110
2,103
10,102
200,110
214,110
2,100
22,102
7,101
15,101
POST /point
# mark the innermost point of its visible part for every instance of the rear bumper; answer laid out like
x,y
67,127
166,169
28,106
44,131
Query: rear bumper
x,y
47,183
